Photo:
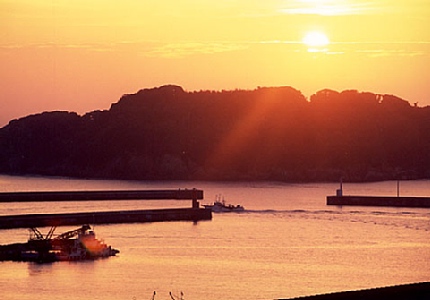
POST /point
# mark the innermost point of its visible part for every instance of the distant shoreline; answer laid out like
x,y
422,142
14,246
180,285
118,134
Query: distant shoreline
x,y
201,180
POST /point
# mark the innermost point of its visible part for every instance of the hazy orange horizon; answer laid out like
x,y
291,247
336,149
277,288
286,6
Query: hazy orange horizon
x,y
82,56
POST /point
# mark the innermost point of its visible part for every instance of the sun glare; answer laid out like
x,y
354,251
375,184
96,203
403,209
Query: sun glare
x,y
315,39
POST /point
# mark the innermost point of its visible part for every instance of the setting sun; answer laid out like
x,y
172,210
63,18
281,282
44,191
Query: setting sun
x,y
315,39
67,55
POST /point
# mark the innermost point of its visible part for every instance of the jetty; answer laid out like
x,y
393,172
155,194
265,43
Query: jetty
x,y
395,201
193,213
413,202
43,196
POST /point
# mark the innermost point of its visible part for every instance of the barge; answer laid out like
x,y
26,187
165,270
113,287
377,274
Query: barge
x,y
74,245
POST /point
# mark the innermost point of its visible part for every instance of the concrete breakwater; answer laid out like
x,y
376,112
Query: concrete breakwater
x,y
417,202
108,217
194,213
39,196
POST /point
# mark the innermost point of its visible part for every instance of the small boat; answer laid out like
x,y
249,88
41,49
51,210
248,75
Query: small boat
x,y
220,205
75,245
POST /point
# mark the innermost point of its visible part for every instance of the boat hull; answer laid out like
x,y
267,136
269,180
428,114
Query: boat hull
x,y
224,208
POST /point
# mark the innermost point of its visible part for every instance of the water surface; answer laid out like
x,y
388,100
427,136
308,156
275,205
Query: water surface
x,y
287,244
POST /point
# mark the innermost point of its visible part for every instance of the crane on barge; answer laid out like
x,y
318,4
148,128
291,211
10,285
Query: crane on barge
x,y
78,244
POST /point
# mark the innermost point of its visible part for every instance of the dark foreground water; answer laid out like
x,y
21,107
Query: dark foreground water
x,y
288,243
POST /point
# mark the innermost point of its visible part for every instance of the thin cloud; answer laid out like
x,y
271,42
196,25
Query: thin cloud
x,y
147,48
182,49
378,49
387,53
191,48
328,8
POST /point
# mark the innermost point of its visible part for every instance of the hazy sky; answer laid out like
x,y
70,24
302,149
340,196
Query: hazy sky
x,y
83,55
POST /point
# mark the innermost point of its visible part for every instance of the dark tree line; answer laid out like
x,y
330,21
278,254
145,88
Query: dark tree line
x,y
264,134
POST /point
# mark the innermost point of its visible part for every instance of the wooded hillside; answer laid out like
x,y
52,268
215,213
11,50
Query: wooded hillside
x,y
263,134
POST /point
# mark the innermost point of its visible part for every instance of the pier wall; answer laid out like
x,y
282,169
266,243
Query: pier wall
x,y
423,202
108,217
194,213
42,196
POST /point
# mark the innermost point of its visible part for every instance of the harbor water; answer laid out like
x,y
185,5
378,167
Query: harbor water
x,y
287,243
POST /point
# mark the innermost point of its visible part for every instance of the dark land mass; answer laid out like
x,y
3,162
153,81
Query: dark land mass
x,y
166,133
414,291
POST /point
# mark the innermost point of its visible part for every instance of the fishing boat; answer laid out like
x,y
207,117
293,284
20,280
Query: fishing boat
x,y
219,205
74,245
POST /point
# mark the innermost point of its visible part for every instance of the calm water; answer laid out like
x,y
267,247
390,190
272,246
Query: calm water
x,y
287,244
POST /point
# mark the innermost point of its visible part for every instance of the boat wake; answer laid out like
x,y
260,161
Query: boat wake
x,y
412,220
335,212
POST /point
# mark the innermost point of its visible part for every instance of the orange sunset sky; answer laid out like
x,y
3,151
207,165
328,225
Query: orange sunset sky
x,y
83,55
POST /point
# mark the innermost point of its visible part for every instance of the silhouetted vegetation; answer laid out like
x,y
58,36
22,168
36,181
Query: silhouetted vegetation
x,y
264,134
